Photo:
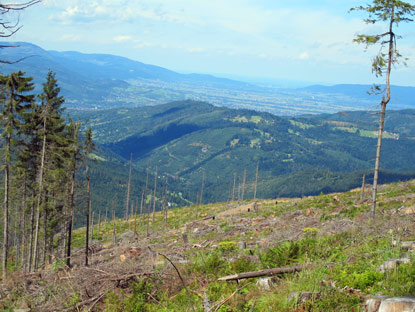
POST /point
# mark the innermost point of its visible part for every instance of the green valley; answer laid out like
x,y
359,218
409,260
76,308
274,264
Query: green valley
x,y
296,156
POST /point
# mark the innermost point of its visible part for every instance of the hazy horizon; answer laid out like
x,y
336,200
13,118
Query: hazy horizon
x,y
269,41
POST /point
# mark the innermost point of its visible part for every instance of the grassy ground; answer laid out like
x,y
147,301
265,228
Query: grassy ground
x,y
332,234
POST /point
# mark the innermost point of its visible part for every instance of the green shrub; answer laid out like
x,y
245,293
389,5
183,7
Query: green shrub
x,y
137,301
211,263
360,280
227,247
243,264
401,282
281,255
332,300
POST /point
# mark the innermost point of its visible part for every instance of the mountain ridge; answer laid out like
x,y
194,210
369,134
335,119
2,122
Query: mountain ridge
x,y
103,81
185,138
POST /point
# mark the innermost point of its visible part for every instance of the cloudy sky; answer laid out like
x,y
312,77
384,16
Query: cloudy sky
x,y
296,40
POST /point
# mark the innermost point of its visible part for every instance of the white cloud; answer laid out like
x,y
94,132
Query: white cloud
x,y
195,50
262,56
140,45
279,33
122,38
70,37
304,56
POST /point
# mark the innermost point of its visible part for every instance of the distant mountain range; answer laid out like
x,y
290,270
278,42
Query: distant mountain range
x,y
108,81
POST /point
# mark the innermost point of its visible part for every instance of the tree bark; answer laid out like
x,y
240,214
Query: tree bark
x,y
45,228
31,236
154,198
114,233
384,102
127,200
6,207
268,272
234,184
243,186
256,180
88,211
362,193
70,221
39,199
99,223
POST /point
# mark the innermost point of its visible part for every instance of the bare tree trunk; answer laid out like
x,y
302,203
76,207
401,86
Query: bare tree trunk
x,y
45,228
39,199
362,193
154,198
256,180
141,208
50,252
165,198
91,237
197,205
99,223
384,102
135,215
70,221
132,207
23,233
148,219
31,238
6,207
234,184
203,186
65,222
243,186
114,232
22,225
88,208
267,272
15,238
147,206
127,200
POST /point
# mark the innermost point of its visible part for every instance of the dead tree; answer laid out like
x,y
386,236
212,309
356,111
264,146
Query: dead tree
x,y
154,198
7,27
255,189
127,200
234,184
203,186
114,232
243,186
268,272
362,194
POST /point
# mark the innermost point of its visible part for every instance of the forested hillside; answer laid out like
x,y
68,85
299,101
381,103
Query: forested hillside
x,y
296,156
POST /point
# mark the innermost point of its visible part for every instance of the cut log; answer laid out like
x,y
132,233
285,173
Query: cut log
x,y
268,272
207,218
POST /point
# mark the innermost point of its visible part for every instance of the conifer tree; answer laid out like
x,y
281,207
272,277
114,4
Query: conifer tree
x,y
390,12
89,147
52,135
15,100
73,164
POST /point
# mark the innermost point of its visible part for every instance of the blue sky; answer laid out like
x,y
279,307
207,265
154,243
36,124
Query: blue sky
x,y
298,40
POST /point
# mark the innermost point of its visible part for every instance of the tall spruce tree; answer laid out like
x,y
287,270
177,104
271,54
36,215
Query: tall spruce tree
x,y
73,165
16,99
52,135
89,147
390,13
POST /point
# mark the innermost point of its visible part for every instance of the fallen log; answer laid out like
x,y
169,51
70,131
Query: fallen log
x,y
268,272
207,218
